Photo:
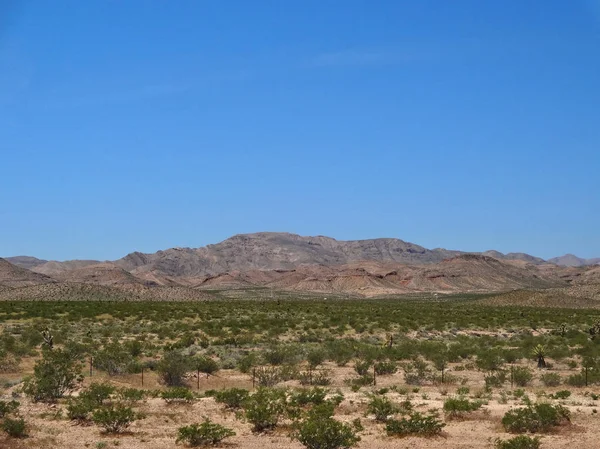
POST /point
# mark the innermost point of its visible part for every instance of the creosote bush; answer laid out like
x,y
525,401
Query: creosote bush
x,y
203,434
233,398
319,431
381,407
264,408
535,418
115,418
172,368
460,406
14,427
519,442
417,424
56,373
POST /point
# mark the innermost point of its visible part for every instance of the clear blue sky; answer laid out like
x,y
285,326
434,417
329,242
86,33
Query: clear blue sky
x,y
143,125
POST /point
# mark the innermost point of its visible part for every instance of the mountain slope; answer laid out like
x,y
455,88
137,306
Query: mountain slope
x,y
570,260
277,251
27,262
14,276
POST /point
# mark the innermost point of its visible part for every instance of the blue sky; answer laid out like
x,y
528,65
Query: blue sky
x,y
143,125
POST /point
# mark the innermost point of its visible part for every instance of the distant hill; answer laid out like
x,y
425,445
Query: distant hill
x,y
570,260
283,261
25,261
14,276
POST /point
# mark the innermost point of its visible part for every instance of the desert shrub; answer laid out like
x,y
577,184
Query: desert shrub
x,y
562,394
205,365
381,407
15,428
233,398
115,418
416,372
318,432
416,424
204,434
457,407
81,407
8,362
385,368
495,379
316,357
53,375
576,380
131,395
521,376
113,359
268,376
281,354
362,367
172,368
550,379
7,408
264,408
247,362
518,442
318,377
307,396
177,394
340,352
535,418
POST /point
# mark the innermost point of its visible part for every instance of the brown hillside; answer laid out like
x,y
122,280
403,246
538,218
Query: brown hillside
x,y
14,276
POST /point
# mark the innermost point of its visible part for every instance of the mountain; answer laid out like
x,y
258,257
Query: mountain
x,y
287,262
53,267
14,276
284,251
27,262
570,260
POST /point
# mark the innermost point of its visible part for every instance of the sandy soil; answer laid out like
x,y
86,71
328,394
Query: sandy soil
x,y
158,429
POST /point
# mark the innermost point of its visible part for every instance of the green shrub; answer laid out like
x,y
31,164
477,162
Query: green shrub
x,y
318,377
458,407
522,376
535,418
316,357
318,432
131,395
172,368
233,398
115,418
576,380
7,408
205,365
204,434
177,394
551,379
518,442
362,367
15,428
381,407
113,359
385,368
308,396
416,424
562,394
53,375
267,376
265,408
416,372
495,379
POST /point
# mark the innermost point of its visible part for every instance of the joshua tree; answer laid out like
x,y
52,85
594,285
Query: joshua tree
x,y
563,329
539,352
48,338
